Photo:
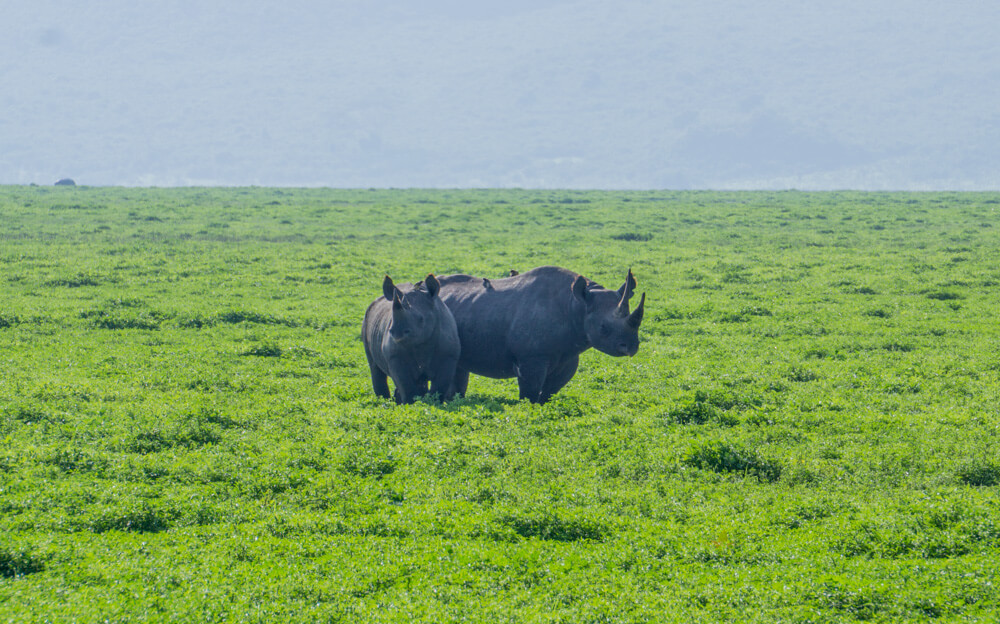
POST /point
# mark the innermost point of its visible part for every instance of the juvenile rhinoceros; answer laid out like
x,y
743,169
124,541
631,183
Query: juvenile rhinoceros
x,y
534,326
410,335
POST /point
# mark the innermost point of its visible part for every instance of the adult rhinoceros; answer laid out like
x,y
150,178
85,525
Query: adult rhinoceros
x,y
410,335
535,325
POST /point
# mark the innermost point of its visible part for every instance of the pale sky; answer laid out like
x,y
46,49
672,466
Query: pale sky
x,y
514,93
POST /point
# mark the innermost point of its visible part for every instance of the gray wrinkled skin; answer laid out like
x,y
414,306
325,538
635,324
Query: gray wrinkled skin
x,y
410,336
534,325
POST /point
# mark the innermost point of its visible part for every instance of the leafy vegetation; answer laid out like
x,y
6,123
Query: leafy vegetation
x,y
809,432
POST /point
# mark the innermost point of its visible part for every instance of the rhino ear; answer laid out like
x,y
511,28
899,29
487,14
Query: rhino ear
x,y
514,272
628,288
433,285
388,288
580,288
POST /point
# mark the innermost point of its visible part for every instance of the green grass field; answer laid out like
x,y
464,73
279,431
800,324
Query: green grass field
x,y
809,433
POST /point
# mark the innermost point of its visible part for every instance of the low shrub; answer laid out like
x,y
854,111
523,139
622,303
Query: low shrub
x,y
723,457
980,473
15,562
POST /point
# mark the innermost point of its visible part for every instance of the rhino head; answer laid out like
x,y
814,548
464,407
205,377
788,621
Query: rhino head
x,y
609,324
414,315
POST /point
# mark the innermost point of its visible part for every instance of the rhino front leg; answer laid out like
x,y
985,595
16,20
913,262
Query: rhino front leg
x,y
559,377
407,387
531,375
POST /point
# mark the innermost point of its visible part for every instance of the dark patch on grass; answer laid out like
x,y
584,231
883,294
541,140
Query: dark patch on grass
x,y
723,457
861,603
980,473
124,314
727,400
243,316
698,413
141,518
146,442
144,322
491,404
188,430
944,295
633,237
897,347
818,353
555,528
801,375
744,315
194,434
75,460
76,281
915,539
878,313
365,461
674,314
197,321
15,562
8,320
265,350
562,407
28,413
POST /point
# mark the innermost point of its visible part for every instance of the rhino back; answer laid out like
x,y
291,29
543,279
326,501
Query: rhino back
x,y
531,314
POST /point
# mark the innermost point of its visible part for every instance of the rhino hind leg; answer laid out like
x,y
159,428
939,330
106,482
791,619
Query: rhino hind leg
x,y
531,374
442,382
380,381
460,383
558,377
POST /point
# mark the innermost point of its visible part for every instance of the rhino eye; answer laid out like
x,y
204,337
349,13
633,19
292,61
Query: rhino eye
x,y
605,329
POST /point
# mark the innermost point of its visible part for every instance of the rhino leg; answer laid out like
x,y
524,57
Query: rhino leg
x,y
380,383
558,377
407,386
531,375
460,383
442,381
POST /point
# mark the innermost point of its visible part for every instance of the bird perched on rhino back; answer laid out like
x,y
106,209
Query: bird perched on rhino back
x,y
534,325
410,336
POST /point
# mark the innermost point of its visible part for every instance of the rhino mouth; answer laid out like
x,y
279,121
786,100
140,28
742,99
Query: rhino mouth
x,y
625,350
400,336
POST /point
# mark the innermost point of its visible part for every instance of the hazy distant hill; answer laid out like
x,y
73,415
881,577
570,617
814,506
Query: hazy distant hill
x,y
574,93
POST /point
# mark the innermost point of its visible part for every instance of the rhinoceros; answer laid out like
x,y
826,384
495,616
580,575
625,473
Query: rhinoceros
x,y
410,335
535,325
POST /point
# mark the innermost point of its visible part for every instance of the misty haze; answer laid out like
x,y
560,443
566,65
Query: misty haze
x,y
552,94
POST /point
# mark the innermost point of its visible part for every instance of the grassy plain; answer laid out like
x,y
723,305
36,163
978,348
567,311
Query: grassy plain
x,y
809,433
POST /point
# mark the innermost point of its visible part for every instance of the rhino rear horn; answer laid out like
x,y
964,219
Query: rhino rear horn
x,y
622,309
635,319
628,288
